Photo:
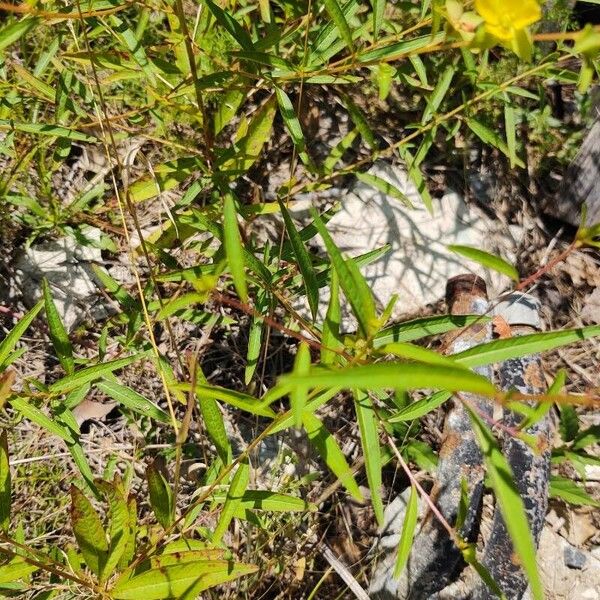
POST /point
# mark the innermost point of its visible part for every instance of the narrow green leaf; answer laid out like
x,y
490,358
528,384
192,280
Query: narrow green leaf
x,y
569,491
213,420
58,333
384,186
80,378
420,407
378,11
511,133
5,483
337,16
88,531
305,265
490,261
330,452
173,581
14,31
238,486
400,49
161,495
424,327
417,353
237,32
510,503
588,436
133,401
408,532
403,376
329,33
11,340
360,121
270,501
569,423
330,339
233,247
363,308
35,415
523,345
299,394
438,94
369,437
46,129
490,137
339,150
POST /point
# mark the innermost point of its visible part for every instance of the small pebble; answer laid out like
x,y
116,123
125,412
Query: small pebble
x,y
574,559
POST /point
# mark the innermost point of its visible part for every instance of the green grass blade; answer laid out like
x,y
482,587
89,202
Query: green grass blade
x,y
305,265
510,503
330,338
420,407
11,340
438,94
511,133
58,333
298,395
233,246
378,11
369,437
35,415
490,261
385,187
337,16
504,349
330,452
238,486
486,135
46,129
408,532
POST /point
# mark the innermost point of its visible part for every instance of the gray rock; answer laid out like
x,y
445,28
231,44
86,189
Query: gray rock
x,y
574,559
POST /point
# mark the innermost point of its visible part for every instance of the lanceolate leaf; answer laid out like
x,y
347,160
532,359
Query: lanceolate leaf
x,y
10,341
408,531
58,333
369,437
438,94
238,486
304,261
491,137
299,394
384,186
233,247
504,349
570,492
5,484
404,376
378,10
18,568
39,418
132,400
337,16
510,503
330,340
225,20
161,495
270,501
420,407
330,452
173,581
88,531
490,261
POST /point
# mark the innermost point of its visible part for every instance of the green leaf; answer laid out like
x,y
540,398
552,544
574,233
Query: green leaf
x,y
337,16
369,437
490,137
80,378
237,399
523,345
5,483
10,341
438,94
360,121
420,407
35,415
238,486
490,261
133,401
339,150
424,327
569,423
298,395
511,133
213,420
510,503
417,353
161,495
408,532
173,581
58,333
270,501
330,452
588,436
233,247
14,31
402,376
400,49
17,568
330,339
88,531
45,129
254,346
378,11
237,32
570,492
359,296
305,265
384,186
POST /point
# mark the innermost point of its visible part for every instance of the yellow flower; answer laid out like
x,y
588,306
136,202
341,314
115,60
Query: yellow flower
x,y
506,20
